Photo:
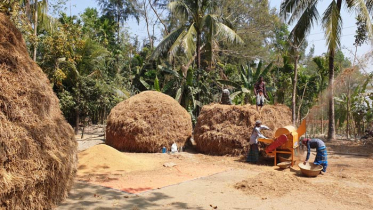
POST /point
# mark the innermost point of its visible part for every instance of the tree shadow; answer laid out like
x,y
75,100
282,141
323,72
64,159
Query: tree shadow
x,y
90,196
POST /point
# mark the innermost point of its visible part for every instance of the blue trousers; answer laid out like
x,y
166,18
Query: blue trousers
x,y
321,158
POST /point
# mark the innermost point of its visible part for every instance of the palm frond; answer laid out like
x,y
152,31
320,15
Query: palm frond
x,y
143,82
245,90
244,79
266,70
234,95
305,22
180,9
170,71
229,83
188,42
332,22
179,93
363,8
300,8
287,7
223,31
167,42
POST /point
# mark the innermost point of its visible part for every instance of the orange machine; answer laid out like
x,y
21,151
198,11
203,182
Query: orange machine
x,y
286,140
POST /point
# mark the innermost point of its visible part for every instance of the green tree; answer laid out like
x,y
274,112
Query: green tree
x,y
245,85
198,24
305,13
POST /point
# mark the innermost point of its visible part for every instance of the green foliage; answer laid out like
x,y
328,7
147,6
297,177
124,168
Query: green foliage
x,y
248,77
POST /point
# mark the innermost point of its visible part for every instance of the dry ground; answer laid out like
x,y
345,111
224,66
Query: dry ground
x,y
233,184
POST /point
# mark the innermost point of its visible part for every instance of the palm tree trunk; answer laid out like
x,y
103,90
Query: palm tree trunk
x,y
198,67
322,115
331,128
348,109
198,49
301,102
293,101
77,120
35,30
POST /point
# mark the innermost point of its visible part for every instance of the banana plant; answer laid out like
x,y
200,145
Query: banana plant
x,y
248,77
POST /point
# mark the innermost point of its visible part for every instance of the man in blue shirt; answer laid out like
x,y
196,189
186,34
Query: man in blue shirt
x,y
321,154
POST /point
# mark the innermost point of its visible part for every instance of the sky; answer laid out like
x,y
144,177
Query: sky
x,y
316,36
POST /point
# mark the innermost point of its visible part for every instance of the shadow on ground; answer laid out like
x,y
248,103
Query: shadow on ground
x,y
89,196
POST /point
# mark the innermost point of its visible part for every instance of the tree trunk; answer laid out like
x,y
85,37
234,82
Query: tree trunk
x,y
348,109
35,30
301,102
159,18
198,49
322,115
77,121
331,127
147,25
198,67
293,99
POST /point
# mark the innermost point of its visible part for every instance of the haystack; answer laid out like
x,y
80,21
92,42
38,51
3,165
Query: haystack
x,y
146,122
226,129
37,145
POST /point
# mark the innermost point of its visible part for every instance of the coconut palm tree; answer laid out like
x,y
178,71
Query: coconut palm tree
x,y
200,24
304,14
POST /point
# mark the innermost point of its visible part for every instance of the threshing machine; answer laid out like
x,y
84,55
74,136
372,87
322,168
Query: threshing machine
x,y
286,141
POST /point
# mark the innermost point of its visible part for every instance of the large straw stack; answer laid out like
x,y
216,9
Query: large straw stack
x,y
226,129
146,122
37,145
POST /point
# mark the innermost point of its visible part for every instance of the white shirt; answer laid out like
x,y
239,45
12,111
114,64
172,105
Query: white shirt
x,y
256,134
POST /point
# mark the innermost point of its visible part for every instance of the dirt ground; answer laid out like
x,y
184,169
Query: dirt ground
x,y
214,182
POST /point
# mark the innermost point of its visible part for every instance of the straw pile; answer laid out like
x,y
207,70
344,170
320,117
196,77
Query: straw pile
x,y
37,145
226,129
146,122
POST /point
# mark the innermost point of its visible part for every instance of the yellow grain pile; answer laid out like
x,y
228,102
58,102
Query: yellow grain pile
x,y
146,122
105,159
225,129
37,145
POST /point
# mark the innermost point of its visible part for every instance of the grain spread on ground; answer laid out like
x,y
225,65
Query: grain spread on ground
x,y
147,122
226,129
271,184
138,172
102,159
37,145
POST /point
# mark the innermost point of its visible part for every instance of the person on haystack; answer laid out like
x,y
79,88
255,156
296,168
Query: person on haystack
x,y
321,154
253,155
260,93
225,97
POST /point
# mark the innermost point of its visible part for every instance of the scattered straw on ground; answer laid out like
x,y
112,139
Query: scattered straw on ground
x,y
226,129
37,145
271,184
146,122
